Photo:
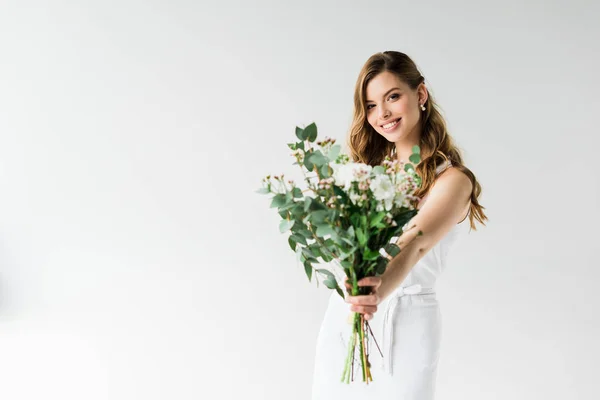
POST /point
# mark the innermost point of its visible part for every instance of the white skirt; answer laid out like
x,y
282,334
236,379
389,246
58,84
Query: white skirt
x,y
407,327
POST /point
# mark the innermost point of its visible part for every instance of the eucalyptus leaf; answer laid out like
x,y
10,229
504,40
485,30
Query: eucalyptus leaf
x,y
297,193
301,133
318,217
308,268
378,170
307,201
307,252
324,229
292,243
283,214
278,200
334,152
308,164
382,265
285,225
414,158
311,132
392,249
263,191
318,159
299,239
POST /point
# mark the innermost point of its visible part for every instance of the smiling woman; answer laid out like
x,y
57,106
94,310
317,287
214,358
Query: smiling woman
x,y
393,113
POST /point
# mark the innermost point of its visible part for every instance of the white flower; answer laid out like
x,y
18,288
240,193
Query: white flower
x,y
382,187
354,197
345,174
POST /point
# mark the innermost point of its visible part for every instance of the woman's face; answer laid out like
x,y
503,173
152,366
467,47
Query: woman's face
x,y
389,100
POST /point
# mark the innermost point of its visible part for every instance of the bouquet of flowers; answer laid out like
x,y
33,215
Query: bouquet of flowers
x,y
348,214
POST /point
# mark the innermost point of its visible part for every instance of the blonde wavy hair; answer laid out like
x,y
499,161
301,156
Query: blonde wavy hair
x,y
437,146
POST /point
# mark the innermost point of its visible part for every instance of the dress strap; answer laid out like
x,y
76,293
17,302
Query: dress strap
x,y
447,164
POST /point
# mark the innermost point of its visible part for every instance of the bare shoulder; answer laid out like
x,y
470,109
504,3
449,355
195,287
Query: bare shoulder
x,y
453,182
444,208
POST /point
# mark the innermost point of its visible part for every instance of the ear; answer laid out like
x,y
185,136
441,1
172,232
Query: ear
x,y
422,93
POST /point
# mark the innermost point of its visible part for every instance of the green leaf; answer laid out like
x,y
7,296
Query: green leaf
x,y
298,211
324,229
301,133
307,201
307,252
326,272
292,243
334,152
278,200
283,213
360,235
381,265
326,257
317,158
263,191
371,255
318,217
297,193
308,269
311,132
324,172
377,219
408,167
308,164
416,149
285,225
392,249
378,170
299,239
414,158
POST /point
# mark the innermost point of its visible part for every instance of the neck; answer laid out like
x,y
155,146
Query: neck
x,y
404,150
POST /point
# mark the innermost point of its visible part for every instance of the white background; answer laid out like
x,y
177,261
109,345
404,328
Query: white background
x,y
136,261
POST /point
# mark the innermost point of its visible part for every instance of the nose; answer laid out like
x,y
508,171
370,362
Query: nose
x,y
383,113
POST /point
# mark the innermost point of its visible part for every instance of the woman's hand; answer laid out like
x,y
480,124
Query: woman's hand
x,y
365,304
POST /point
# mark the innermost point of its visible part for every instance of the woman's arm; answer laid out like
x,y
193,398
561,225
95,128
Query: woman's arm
x,y
443,209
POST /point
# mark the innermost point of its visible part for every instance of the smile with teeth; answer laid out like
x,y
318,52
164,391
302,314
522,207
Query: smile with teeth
x,y
391,124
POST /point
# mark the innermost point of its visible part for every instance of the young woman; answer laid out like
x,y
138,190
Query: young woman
x,y
393,112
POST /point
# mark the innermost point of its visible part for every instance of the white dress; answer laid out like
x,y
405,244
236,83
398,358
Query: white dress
x,y
407,327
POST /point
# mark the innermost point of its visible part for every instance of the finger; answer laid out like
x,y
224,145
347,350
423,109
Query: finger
x,y
374,281
363,309
370,299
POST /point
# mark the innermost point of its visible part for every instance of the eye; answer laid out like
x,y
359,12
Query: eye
x,y
395,95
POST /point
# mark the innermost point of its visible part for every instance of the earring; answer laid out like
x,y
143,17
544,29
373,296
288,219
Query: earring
x,y
423,107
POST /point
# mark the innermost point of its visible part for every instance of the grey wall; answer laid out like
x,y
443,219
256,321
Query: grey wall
x,y
136,261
